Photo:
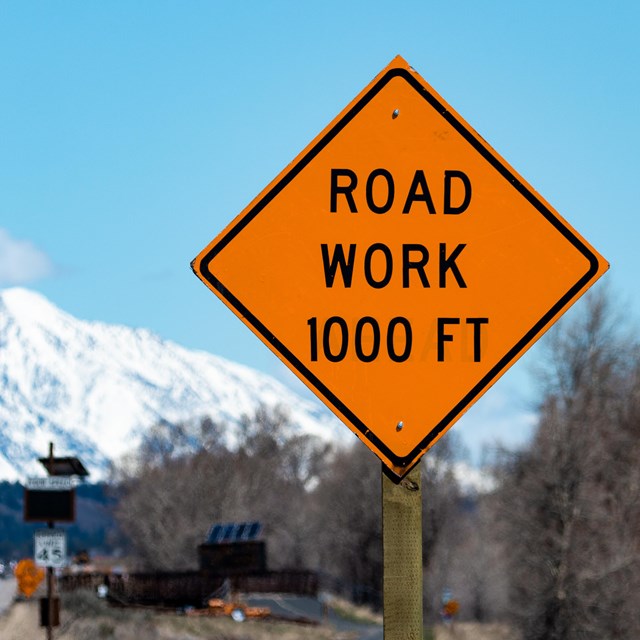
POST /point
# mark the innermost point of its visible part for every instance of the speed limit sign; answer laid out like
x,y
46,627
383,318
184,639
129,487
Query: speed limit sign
x,y
50,548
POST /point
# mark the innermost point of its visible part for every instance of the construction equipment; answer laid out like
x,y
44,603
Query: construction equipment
x,y
235,609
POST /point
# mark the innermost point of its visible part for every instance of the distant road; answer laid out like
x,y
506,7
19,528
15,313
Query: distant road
x,y
7,592
288,606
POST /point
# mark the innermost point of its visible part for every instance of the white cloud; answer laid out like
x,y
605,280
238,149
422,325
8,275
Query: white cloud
x,y
21,261
504,416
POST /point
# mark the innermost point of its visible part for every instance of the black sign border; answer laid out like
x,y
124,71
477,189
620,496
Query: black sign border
x,y
403,462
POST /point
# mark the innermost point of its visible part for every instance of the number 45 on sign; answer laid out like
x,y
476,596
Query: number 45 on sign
x,y
50,548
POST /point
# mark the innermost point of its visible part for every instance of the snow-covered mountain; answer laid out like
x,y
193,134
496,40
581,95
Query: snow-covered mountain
x,y
93,388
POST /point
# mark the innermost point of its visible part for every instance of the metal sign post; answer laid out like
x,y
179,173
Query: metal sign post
x,y
50,524
50,599
49,500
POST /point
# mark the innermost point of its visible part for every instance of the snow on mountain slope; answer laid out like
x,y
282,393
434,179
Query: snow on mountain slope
x,y
93,388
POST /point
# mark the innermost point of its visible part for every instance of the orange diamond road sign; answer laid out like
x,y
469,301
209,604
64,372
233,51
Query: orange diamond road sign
x,y
29,576
399,266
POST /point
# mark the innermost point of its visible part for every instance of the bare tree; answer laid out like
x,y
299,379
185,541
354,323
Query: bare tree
x,y
569,505
321,509
346,511
184,479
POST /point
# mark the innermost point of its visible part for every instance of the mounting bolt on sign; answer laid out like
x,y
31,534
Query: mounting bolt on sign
x,y
399,266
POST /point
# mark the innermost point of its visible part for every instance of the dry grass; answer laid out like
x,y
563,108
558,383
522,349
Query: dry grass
x,y
85,617
355,613
475,631
225,629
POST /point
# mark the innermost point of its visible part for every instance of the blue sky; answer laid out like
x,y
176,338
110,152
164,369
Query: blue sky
x,y
131,133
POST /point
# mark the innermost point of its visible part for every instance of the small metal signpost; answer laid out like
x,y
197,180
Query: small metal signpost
x,y
52,499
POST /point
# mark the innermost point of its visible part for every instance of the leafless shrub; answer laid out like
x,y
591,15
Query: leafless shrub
x,y
568,506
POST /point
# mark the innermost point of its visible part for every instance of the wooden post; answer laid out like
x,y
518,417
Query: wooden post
x,y
402,548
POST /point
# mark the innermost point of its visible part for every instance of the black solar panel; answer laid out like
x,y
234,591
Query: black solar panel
x,y
233,532
214,534
255,528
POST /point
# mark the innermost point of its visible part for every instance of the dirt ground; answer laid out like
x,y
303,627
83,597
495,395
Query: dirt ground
x,y
91,621
20,621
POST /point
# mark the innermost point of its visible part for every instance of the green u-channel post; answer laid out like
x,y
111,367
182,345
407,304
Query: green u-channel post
x,y
402,549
